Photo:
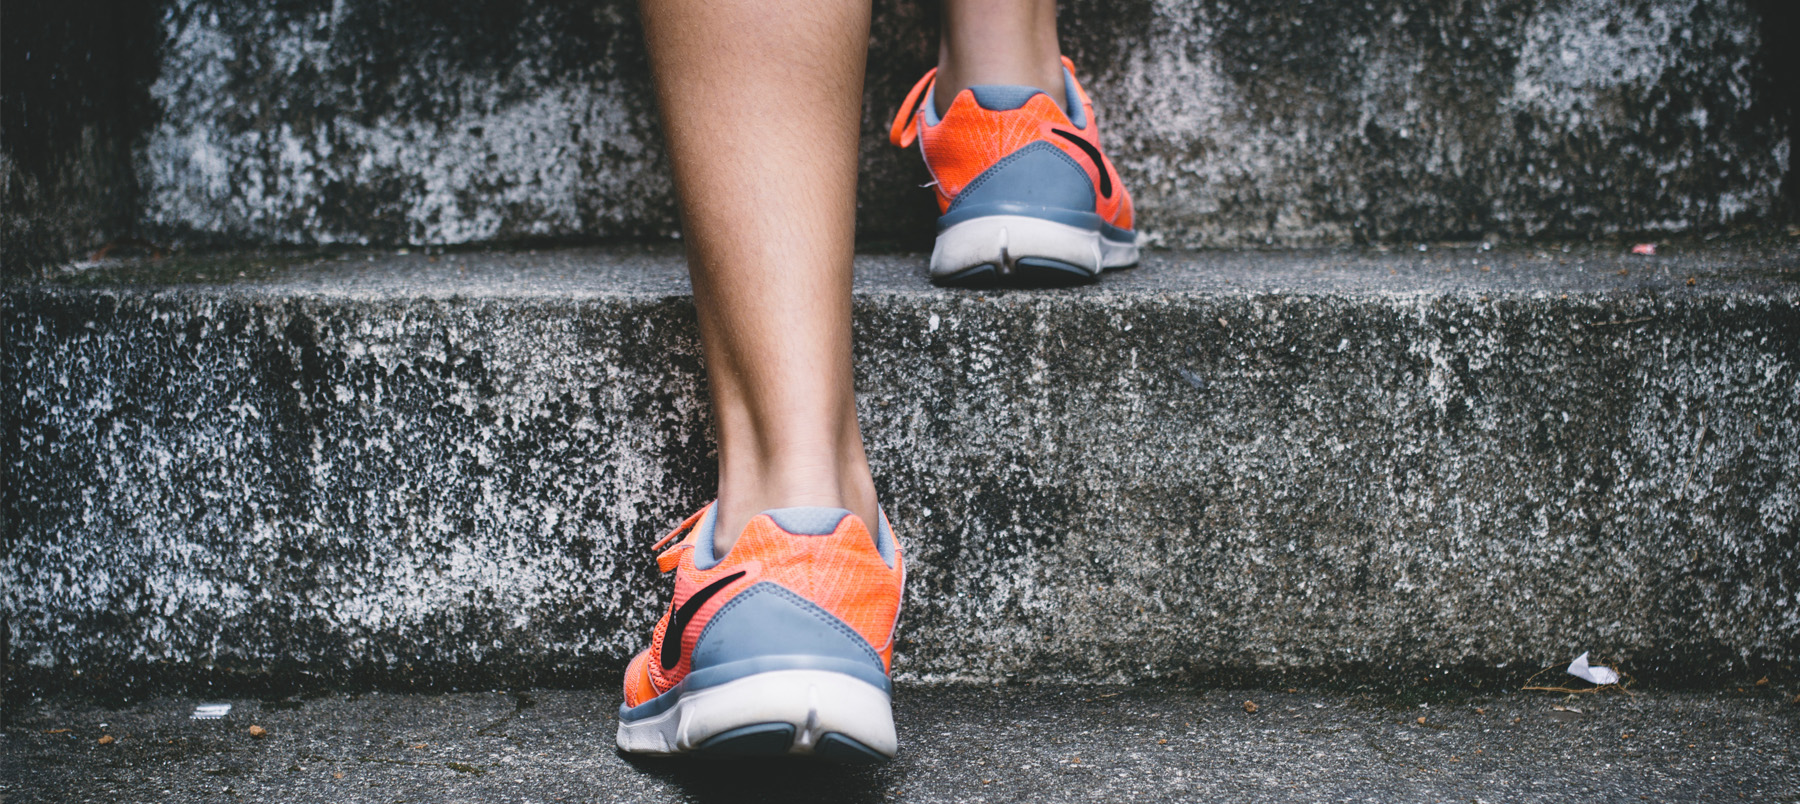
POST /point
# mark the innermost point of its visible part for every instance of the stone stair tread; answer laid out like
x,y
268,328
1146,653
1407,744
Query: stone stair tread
x,y
651,269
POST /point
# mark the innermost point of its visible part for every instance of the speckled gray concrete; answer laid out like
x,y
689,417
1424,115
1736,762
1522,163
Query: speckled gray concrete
x,y
392,468
1003,744
1233,121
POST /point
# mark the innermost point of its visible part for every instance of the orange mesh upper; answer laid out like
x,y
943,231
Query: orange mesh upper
x,y
638,688
970,139
842,573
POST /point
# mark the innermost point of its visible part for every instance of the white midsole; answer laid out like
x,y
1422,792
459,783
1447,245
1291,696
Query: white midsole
x,y
1002,240
816,702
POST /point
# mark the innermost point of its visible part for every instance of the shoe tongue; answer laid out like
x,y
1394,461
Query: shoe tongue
x,y
1003,97
808,521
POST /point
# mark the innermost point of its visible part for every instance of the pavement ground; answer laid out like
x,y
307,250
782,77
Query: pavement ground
x,y
1013,743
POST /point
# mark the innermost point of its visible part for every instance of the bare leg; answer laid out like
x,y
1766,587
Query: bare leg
x,y
998,42
761,104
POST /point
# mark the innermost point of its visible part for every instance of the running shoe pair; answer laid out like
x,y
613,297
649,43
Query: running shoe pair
x,y
784,645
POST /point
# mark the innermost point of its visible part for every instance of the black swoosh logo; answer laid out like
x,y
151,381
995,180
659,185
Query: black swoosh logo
x,y
1092,153
670,658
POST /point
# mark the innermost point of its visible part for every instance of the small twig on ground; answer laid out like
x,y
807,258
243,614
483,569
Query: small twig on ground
x,y
1699,441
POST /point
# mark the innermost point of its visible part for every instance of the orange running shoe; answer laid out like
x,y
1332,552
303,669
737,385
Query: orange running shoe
x,y
781,646
1026,196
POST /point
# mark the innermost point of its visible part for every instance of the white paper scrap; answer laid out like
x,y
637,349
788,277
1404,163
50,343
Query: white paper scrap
x,y
1599,675
211,711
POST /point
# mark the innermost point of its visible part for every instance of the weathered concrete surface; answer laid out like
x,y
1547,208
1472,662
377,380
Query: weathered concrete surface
x,y
1234,121
411,468
1043,745
396,122
74,101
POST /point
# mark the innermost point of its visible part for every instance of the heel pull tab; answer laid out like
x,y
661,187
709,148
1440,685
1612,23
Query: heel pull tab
x,y
669,559
905,127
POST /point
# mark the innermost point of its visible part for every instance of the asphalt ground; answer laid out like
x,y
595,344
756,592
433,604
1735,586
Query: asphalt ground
x,y
1023,743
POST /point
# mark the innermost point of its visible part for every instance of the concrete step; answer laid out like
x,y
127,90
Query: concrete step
x,y
396,469
1024,743
1233,122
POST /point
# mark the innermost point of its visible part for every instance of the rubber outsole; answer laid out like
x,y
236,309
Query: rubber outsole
x,y
1027,272
755,740
1022,251
763,740
818,713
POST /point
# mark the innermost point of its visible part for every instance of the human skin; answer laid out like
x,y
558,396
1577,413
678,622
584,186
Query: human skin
x,y
761,105
998,42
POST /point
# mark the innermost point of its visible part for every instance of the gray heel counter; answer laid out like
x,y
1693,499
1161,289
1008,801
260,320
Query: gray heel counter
x,y
1037,175
770,620
1003,97
808,521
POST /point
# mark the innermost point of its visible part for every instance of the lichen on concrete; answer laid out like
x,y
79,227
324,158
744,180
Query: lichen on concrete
x,y
1233,122
390,466
1301,122
361,122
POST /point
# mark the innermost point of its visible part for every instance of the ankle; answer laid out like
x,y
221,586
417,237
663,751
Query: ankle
x,y
1032,70
843,484
1011,42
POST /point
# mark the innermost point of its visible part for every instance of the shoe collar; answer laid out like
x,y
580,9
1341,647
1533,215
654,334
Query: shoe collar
x,y
701,529
1007,100
920,107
